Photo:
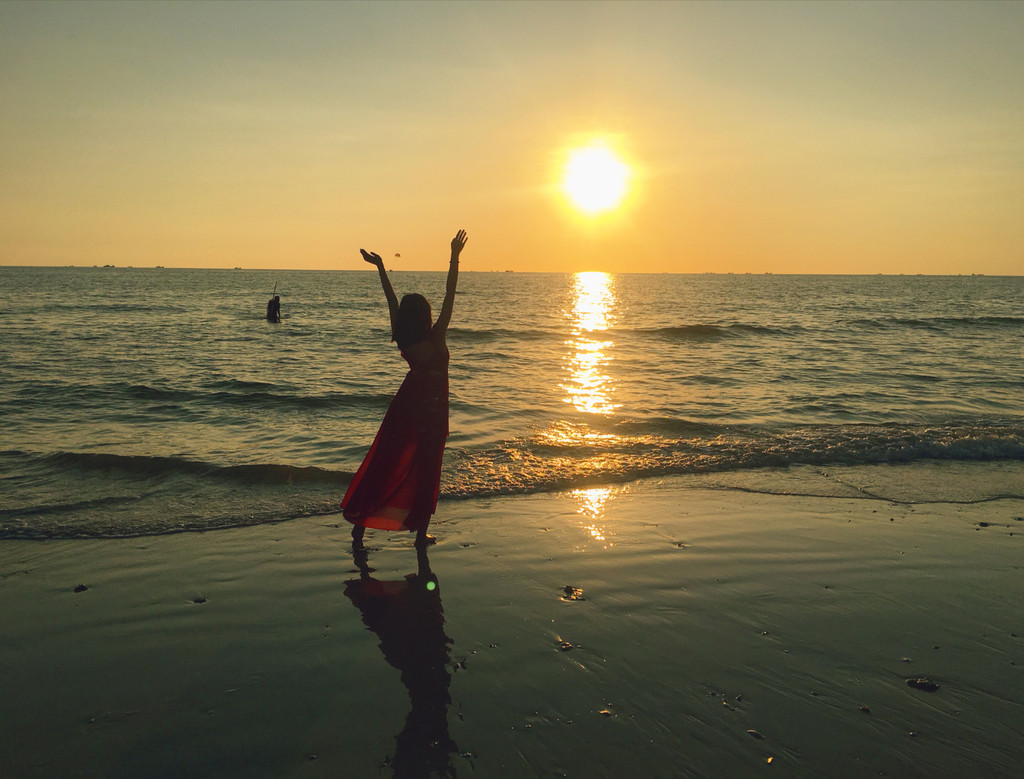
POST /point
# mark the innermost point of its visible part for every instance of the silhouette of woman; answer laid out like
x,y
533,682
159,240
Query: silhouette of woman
x,y
408,619
396,486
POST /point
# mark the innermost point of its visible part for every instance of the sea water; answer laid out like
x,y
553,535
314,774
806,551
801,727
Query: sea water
x,y
150,400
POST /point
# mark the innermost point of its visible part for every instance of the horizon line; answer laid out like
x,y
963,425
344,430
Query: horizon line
x,y
510,270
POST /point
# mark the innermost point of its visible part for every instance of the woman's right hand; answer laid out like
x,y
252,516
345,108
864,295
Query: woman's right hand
x,y
372,258
459,243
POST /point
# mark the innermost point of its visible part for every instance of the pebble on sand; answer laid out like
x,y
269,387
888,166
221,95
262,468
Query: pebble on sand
x,y
922,684
572,593
81,588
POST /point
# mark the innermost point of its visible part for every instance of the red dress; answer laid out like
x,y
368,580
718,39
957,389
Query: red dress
x,y
396,486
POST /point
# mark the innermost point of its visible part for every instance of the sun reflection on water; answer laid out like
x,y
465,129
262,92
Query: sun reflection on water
x,y
591,503
589,389
589,386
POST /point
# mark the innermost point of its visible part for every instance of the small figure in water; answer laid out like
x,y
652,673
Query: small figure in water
x,y
396,486
274,309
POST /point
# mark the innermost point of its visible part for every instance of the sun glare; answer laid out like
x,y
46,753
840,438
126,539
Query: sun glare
x,y
590,388
595,179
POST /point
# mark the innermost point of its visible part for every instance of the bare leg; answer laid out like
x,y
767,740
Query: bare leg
x,y
357,536
362,560
427,476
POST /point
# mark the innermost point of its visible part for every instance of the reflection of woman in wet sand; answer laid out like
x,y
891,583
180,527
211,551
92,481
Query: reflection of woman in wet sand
x,y
396,486
407,617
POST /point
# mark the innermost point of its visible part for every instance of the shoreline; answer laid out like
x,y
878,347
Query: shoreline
x,y
703,615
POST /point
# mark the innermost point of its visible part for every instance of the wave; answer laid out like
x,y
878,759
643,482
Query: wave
x,y
127,496
692,332
708,332
64,507
107,307
150,466
120,494
138,527
675,426
473,335
238,394
542,465
242,397
941,323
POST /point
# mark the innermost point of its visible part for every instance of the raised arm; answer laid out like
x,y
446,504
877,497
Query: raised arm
x,y
385,282
443,318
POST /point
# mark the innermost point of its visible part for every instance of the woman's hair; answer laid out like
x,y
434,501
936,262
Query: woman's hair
x,y
413,322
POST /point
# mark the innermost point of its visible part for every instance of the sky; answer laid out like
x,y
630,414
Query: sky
x,y
779,137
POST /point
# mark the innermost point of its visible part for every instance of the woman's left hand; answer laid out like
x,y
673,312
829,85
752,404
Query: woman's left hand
x,y
372,257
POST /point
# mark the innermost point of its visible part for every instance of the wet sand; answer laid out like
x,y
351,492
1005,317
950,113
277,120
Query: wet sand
x,y
703,633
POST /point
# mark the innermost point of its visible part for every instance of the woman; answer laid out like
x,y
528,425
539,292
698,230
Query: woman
x,y
396,486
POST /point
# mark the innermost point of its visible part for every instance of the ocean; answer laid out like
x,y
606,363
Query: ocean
x,y
139,401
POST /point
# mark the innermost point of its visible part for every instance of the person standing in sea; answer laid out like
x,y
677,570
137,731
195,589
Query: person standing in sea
x,y
274,309
397,484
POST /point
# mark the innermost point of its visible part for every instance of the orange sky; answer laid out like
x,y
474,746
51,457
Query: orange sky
x,y
791,138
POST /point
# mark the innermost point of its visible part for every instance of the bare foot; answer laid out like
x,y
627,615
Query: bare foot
x,y
424,539
361,558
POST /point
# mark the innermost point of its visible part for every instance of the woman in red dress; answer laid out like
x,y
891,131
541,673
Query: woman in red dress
x,y
396,486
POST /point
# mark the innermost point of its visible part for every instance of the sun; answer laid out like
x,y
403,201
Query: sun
x,y
595,179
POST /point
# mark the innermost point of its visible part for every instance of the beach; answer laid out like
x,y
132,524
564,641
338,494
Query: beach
x,y
658,628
